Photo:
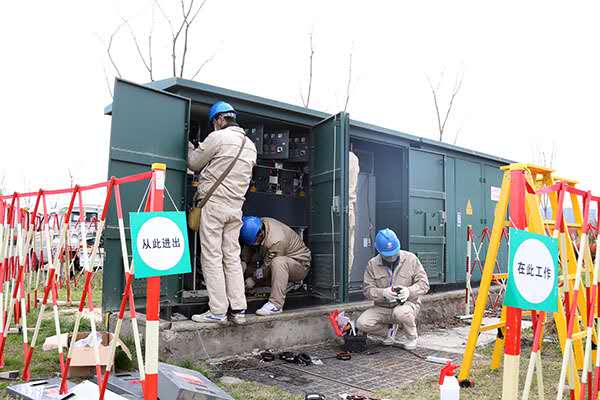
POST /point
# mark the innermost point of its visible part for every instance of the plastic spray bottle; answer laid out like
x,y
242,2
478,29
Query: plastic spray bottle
x,y
449,387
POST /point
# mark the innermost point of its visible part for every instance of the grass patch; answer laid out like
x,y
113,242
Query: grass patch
x,y
488,383
255,391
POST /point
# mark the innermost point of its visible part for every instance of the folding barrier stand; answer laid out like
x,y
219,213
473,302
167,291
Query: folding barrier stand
x,y
517,187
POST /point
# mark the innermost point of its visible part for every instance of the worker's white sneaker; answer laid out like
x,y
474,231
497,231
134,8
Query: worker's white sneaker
x,y
391,338
268,309
410,343
209,317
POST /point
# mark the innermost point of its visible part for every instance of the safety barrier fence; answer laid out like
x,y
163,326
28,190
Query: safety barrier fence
x,y
576,316
30,261
477,244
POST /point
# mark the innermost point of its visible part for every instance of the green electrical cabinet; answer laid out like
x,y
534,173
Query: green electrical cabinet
x,y
427,191
427,211
148,126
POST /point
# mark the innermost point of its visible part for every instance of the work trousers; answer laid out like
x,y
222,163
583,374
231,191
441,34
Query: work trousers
x,y
221,265
351,232
283,270
376,319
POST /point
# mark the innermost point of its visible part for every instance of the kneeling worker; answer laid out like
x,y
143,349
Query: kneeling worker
x,y
286,257
395,280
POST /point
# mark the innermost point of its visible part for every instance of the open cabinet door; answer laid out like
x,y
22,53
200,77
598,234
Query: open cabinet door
x,y
148,126
329,208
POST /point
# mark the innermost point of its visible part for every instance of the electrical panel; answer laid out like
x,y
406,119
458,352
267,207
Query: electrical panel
x,y
299,150
256,135
276,145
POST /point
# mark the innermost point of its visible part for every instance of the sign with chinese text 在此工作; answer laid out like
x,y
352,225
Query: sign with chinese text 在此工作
x,y
160,243
532,272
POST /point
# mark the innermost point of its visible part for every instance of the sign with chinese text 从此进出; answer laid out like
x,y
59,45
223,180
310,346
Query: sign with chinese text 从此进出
x,y
160,243
532,272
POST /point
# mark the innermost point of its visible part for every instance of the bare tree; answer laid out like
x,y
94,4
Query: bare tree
x,y
442,117
349,83
71,180
306,101
180,41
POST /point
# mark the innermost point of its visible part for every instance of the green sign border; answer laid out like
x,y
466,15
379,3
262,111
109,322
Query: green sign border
x,y
513,297
141,269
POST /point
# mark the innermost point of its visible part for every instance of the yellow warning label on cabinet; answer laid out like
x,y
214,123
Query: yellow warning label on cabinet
x,y
469,209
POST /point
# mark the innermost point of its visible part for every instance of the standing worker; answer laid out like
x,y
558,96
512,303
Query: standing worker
x,y
354,170
286,258
395,280
225,159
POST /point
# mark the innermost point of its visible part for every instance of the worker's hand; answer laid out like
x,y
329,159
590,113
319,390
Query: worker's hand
x,y
259,273
249,283
403,294
389,294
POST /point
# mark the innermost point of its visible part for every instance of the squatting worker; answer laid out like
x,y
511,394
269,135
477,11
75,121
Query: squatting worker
x,y
285,258
221,217
353,171
395,280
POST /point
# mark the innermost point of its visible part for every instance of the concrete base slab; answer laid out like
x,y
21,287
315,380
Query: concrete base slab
x,y
192,341
454,340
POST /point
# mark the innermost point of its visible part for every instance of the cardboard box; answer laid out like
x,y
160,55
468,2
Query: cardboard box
x,y
83,361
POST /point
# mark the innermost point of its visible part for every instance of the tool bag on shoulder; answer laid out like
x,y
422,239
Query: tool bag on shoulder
x,y
196,211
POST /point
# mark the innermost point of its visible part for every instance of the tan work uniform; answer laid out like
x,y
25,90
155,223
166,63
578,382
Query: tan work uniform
x,y
378,277
353,172
221,218
286,258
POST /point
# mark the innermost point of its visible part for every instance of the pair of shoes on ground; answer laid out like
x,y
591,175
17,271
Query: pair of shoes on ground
x,y
238,317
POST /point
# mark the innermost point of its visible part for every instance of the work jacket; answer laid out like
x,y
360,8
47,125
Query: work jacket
x,y
281,240
213,156
408,273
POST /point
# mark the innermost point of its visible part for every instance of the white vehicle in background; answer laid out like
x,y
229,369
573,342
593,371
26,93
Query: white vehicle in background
x,y
91,218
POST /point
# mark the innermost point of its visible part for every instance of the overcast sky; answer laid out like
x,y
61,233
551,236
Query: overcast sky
x,y
531,72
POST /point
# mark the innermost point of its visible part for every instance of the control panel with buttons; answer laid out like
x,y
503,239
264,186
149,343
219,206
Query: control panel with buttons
x,y
276,145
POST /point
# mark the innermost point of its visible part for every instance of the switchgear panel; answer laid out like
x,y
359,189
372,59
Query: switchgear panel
x,y
299,149
276,145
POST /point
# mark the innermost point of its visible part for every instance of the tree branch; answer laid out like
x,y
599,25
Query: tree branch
x,y
188,23
310,73
110,41
457,86
166,17
139,50
209,59
349,82
437,109
107,82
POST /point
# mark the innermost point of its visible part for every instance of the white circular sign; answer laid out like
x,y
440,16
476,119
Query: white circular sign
x,y
533,271
160,243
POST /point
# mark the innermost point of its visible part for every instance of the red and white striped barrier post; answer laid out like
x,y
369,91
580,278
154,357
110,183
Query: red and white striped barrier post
x,y
469,289
156,199
573,307
127,295
535,360
512,347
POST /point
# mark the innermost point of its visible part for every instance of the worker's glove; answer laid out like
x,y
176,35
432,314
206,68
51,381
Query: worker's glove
x,y
249,283
191,146
259,273
402,294
389,294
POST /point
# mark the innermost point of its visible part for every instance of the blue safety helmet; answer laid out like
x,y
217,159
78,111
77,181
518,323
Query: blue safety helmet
x,y
219,107
387,243
250,229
